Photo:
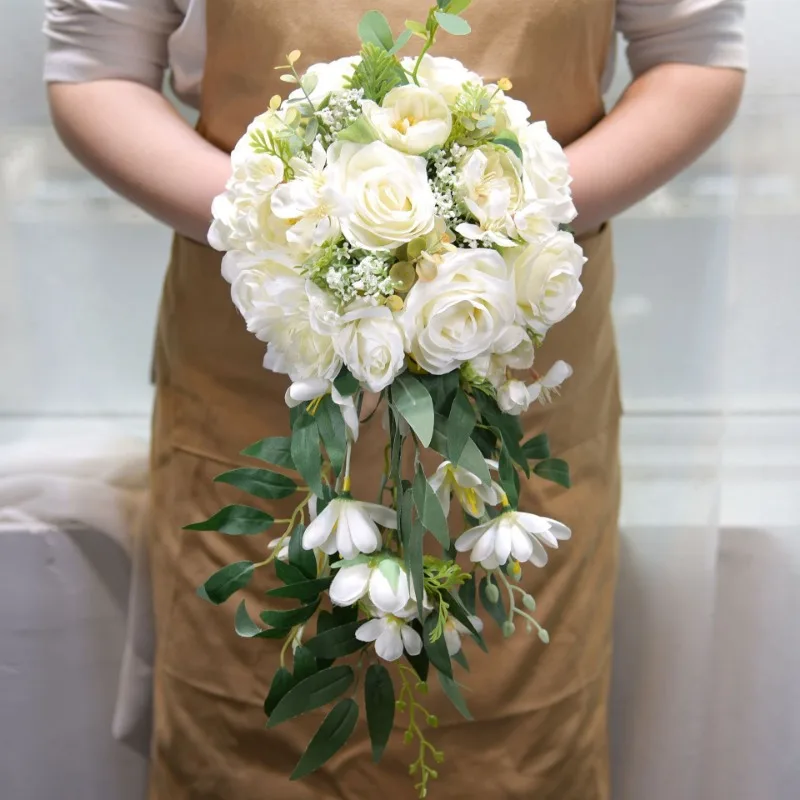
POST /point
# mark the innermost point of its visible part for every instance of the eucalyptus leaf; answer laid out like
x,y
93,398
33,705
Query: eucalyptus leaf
x,y
306,453
509,140
236,520
452,24
309,82
332,735
379,699
374,28
416,28
414,404
305,591
537,448
243,624
453,693
457,6
312,129
436,650
460,425
360,132
336,642
429,509
401,42
261,483
555,470
315,691
227,581
282,682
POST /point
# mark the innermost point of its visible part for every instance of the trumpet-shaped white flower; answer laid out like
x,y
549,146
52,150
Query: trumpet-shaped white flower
x,y
514,534
311,201
303,391
391,635
513,397
545,386
466,486
384,580
454,630
349,527
283,553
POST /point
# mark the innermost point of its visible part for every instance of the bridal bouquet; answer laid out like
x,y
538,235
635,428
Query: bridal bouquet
x,y
397,227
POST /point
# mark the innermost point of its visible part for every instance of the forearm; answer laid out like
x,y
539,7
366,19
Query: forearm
x,y
132,138
666,119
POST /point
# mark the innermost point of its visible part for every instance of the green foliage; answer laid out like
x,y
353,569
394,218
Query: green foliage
x,y
466,594
460,425
411,534
282,682
236,520
508,140
509,478
450,688
471,457
305,665
306,451
537,447
291,617
436,646
274,450
305,591
458,611
377,73
336,642
261,483
359,131
429,509
345,383
227,581
379,700
333,431
284,145
299,557
332,735
420,663
374,29
452,23
473,117
555,470
244,625
315,691
412,401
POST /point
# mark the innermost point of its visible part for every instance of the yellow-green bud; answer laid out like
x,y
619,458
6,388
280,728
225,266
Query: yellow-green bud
x,y
422,687
508,628
529,603
492,592
400,705
408,737
433,721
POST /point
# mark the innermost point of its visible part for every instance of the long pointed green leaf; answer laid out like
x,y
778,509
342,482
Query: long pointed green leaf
x,y
414,404
537,448
305,590
411,532
436,650
305,664
374,28
333,432
274,450
227,581
290,617
453,693
299,557
243,624
429,508
306,453
236,520
312,692
332,735
555,470
460,425
379,701
282,682
336,642
259,482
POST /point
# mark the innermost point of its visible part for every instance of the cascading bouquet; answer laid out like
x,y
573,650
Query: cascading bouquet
x,y
396,227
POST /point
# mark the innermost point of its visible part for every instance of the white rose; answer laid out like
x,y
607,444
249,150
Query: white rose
x,y
547,277
443,75
547,177
302,345
392,201
411,119
309,203
513,397
513,114
513,349
371,345
461,313
255,172
264,289
489,181
331,77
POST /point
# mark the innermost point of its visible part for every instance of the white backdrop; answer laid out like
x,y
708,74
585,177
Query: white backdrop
x,y
705,698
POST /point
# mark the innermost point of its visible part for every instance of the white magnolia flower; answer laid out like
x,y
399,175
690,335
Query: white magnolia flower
x,y
466,486
547,277
512,350
302,345
331,77
312,204
443,75
371,344
283,553
461,313
411,119
303,391
547,176
392,200
513,397
391,635
454,630
514,534
489,182
349,527
545,386
384,580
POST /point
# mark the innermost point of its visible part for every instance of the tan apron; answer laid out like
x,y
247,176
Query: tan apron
x,y
540,729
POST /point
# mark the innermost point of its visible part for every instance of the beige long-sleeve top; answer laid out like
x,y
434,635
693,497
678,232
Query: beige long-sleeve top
x,y
140,39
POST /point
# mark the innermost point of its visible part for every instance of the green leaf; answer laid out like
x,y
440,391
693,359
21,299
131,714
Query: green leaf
x,y
305,452
333,432
537,448
452,691
345,383
509,479
457,6
290,617
379,703
466,594
312,129
288,573
402,41
509,140
496,610
457,610
305,664
555,470
420,662
417,28
299,557
245,626
472,460
273,633
437,651
336,642
305,591
508,428
261,483
429,509
344,615
374,28
312,692
236,520
282,682
222,584
309,82
360,132
452,24
460,425
414,404
442,389
411,533
461,660
332,735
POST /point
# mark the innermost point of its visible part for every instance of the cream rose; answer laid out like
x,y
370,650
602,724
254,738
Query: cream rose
x,y
371,345
411,119
547,178
489,182
445,76
547,277
461,313
392,201
331,77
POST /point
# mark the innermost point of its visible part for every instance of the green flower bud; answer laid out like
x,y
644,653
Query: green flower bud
x,y
433,773
433,721
508,628
492,593
400,705
438,757
408,737
529,603
422,687
544,635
